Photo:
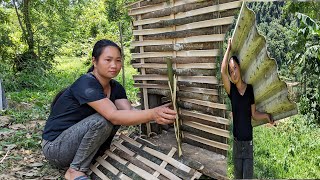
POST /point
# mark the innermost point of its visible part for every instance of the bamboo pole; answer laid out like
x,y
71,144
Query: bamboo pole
x,y
173,89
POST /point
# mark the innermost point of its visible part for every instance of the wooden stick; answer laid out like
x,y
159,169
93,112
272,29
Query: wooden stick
x,y
4,157
173,89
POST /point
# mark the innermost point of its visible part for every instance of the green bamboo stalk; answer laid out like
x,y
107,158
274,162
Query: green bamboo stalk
x,y
173,89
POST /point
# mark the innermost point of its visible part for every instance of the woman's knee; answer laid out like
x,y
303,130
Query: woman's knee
x,y
99,122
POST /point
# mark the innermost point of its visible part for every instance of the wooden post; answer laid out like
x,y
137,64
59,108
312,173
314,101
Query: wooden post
x,y
3,102
143,72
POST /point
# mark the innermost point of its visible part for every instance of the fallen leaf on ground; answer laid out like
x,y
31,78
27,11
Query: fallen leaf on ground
x,y
17,126
36,164
4,121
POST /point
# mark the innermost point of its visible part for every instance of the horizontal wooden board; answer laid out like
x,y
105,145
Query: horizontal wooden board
x,y
209,9
187,89
178,66
206,117
191,39
191,53
206,128
206,141
205,103
147,9
198,79
195,25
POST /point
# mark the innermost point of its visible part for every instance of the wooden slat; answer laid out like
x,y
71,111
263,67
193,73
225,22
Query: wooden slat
x,y
205,103
214,8
191,53
152,165
191,39
170,160
190,26
205,128
151,42
157,154
199,90
164,163
183,88
158,168
146,9
205,117
178,66
142,173
123,148
197,79
209,9
151,20
206,141
107,165
131,141
156,86
202,38
98,173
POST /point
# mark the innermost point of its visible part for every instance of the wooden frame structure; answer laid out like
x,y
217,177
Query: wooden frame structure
x,y
190,32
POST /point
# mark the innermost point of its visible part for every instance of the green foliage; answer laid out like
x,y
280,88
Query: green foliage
x,y
306,63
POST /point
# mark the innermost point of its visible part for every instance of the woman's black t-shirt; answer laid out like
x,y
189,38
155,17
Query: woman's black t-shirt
x,y
241,112
71,107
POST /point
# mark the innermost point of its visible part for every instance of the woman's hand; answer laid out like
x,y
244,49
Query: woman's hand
x,y
270,119
229,43
164,115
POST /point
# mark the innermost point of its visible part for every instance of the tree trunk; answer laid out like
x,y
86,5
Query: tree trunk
x,y
19,19
29,38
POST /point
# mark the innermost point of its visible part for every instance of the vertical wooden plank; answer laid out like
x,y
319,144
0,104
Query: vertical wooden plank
x,y
143,72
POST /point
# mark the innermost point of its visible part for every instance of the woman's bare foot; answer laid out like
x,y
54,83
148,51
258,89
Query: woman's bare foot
x,y
71,174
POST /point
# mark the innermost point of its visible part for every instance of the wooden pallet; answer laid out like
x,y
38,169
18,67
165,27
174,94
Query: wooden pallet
x,y
139,159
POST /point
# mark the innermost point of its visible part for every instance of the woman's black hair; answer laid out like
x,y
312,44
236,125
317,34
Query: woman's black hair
x,y
96,52
235,58
98,47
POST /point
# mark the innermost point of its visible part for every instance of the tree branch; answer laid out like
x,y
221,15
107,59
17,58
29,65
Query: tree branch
x,y
19,19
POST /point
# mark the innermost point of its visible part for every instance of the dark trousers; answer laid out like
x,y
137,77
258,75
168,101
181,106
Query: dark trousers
x,y
77,146
243,159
